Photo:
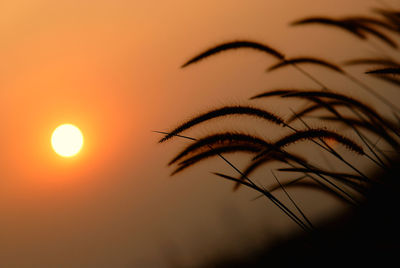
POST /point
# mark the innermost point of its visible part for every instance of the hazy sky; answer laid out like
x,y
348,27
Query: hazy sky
x,y
112,68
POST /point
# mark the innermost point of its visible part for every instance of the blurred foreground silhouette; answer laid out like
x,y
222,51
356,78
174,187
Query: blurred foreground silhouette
x,y
366,234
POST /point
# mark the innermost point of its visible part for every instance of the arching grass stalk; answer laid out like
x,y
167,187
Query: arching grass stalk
x,y
263,160
294,93
310,135
331,150
252,185
302,60
252,144
295,61
372,115
320,175
369,127
371,91
356,122
361,123
225,111
311,77
337,114
356,26
323,63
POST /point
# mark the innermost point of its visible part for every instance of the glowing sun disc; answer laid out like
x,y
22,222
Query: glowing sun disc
x,y
67,140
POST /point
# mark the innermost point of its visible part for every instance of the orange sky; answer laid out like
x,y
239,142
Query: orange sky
x,y
112,69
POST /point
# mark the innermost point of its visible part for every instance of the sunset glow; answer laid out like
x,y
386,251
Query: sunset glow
x,y
286,99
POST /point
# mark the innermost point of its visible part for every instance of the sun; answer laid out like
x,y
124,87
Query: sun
x,y
67,140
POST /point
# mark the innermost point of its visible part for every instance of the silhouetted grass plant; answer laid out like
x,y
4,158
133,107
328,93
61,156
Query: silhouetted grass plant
x,y
358,26
385,71
369,125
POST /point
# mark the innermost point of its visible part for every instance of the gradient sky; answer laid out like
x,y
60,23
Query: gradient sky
x,y
112,69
